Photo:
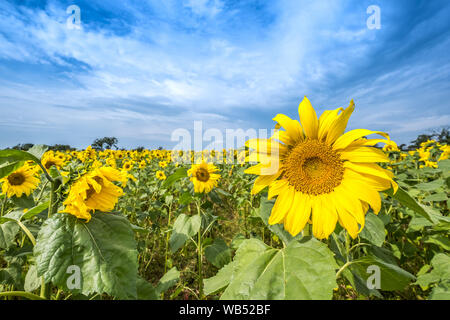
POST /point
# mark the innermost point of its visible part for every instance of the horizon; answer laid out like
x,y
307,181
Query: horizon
x,y
139,71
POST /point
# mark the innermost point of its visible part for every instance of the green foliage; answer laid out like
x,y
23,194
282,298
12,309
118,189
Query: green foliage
x,y
302,270
104,249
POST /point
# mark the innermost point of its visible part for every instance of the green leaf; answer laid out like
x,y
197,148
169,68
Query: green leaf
x,y
185,198
145,290
440,272
35,210
441,292
104,249
184,228
438,240
404,198
265,209
12,155
8,232
179,174
38,151
218,253
373,231
392,277
168,280
32,281
301,270
430,186
7,168
436,197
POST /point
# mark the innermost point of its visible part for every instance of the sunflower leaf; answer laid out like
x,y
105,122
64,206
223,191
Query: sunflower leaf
x,y
184,228
391,277
179,174
404,198
12,155
7,168
103,251
301,270
373,231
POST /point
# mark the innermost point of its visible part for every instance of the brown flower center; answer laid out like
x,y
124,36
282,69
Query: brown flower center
x,y
49,164
16,179
202,175
313,167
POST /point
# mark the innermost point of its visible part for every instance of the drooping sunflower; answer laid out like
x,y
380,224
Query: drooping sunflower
x,y
320,174
94,191
204,177
50,159
22,181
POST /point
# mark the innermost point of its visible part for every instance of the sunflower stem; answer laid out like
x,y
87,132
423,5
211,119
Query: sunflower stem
x,y
23,294
343,268
4,205
52,199
200,256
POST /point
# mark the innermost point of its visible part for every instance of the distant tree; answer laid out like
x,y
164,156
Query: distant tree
x,y
61,147
23,146
442,136
105,143
139,149
160,148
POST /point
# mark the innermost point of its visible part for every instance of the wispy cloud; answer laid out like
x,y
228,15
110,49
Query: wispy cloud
x,y
140,69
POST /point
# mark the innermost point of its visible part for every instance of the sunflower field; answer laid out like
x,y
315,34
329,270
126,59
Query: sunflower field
x,y
314,212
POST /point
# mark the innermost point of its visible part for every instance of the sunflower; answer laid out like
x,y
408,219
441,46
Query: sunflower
x,y
50,159
160,175
163,164
128,165
94,191
21,181
319,174
204,177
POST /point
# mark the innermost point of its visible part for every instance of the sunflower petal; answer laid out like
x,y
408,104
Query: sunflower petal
x,y
308,118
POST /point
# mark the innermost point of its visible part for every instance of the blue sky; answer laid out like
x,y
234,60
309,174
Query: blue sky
x,y
138,70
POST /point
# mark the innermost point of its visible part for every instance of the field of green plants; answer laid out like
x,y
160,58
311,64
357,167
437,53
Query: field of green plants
x,y
115,224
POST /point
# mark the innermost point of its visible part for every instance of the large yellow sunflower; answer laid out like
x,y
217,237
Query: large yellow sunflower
x,y
320,174
22,181
94,191
203,177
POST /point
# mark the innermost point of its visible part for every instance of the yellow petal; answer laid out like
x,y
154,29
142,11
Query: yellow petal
x,y
293,127
298,215
282,206
263,181
277,187
324,216
326,120
337,128
308,118
362,192
363,154
347,138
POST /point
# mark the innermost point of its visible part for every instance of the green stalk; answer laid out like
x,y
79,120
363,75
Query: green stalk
x,y
52,200
24,294
4,205
200,257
